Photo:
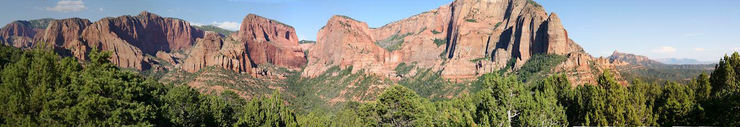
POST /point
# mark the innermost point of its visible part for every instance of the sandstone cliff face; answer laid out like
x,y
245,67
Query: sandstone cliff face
x,y
269,41
463,40
346,42
213,50
148,41
633,59
130,38
65,34
18,34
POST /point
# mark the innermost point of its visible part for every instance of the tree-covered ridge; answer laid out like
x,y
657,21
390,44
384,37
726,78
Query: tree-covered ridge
x,y
216,29
40,88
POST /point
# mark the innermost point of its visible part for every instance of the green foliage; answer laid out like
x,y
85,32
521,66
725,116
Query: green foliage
x,y
8,55
496,26
267,111
403,68
476,60
306,42
430,84
40,88
534,3
471,20
538,65
440,42
398,106
609,103
435,32
394,42
675,105
215,29
40,23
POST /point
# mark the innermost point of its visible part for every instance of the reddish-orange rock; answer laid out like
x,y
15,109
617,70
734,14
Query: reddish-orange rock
x,y
130,38
65,34
269,41
463,40
18,34
213,50
345,42
65,30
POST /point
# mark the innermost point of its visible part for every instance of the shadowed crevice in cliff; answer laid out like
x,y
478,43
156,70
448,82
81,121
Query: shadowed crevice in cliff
x,y
504,39
488,45
540,43
451,41
509,9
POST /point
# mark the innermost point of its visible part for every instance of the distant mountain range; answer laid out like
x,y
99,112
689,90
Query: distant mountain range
x,y
682,61
637,66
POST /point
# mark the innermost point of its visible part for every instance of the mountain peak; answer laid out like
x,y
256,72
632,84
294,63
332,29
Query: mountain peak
x,y
147,14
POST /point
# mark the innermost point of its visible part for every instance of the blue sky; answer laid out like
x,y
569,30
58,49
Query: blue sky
x,y
697,29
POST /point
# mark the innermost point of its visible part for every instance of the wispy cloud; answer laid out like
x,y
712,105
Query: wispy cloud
x,y
227,25
699,49
665,49
196,24
68,6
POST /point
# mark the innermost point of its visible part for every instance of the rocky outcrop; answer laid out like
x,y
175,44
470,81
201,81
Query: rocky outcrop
x,y
131,38
463,40
272,42
66,34
346,42
212,50
632,59
148,41
582,68
18,34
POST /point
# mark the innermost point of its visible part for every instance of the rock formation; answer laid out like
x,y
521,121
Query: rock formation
x,y
463,40
131,38
626,58
65,34
270,41
212,50
18,34
346,42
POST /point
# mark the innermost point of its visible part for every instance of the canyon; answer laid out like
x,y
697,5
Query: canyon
x,y
459,41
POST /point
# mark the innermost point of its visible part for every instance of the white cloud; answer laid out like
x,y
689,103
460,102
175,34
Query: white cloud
x,y
68,6
196,24
665,49
699,49
227,25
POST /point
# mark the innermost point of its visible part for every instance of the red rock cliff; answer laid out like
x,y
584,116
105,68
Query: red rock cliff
x,y
270,41
463,40
130,38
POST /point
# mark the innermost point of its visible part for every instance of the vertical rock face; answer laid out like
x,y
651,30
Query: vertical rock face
x,y
59,32
270,41
148,41
18,34
213,50
462,40
65,34
345,42
204,52
150,32
130,38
